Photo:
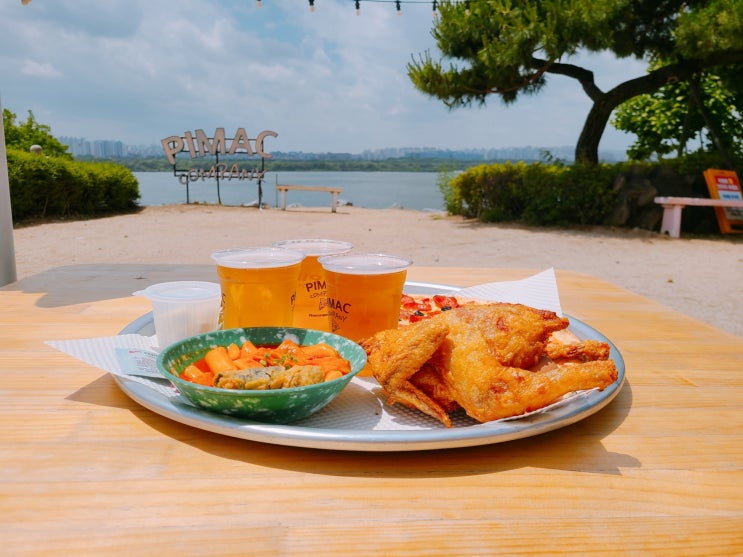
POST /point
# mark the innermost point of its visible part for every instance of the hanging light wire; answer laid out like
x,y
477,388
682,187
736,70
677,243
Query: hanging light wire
x,y
398,4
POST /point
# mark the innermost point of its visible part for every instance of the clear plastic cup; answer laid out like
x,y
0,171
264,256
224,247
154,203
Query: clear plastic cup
x,y
181,309
364,292
311,306
259,286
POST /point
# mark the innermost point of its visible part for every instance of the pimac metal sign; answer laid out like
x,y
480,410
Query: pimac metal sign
x,y
237,150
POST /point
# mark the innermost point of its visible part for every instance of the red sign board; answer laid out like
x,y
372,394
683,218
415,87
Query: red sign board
x,y
724,184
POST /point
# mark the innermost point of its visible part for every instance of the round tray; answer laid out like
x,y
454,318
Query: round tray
x,y
359,420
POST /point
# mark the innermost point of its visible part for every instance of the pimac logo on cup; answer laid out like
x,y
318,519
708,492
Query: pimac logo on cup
x,y
317,285
338,306
338,313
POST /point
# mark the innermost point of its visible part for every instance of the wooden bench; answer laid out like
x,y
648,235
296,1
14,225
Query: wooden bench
x,y
283,188
672,207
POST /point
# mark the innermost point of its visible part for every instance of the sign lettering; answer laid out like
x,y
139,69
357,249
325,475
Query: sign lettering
x,y
199,144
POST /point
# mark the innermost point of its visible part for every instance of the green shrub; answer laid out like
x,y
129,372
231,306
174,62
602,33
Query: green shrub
x,y
451,195
554,194
502,191
490,192
118,186
54,187
567,195
538,193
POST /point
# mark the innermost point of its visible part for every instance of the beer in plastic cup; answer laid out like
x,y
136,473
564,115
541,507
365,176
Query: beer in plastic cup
x,y
364,292
311,304
183,308
258,286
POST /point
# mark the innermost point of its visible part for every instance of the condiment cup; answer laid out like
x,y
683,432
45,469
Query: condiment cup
x,y
181,309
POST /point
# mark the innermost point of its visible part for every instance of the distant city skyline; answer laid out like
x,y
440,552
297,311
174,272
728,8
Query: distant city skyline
x,y
111,148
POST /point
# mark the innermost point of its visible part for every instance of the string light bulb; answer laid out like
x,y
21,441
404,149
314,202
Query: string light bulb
x,y
398,5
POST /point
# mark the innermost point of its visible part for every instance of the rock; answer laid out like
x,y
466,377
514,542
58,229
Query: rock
x,y
634,191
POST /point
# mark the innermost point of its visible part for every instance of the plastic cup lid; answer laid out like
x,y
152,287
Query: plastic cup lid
x,y
315,246
181,291
257,258
365,263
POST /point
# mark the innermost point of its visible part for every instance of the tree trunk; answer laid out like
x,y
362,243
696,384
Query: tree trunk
x,y
587,148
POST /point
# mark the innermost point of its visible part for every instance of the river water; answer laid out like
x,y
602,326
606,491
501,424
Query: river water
x,y
374,190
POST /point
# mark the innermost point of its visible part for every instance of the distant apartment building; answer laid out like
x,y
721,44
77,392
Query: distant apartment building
x,y
99,148
110,149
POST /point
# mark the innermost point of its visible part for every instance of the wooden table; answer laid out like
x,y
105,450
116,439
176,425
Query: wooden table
x,y
87,471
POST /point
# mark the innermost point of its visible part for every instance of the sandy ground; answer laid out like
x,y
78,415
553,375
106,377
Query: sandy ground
x,y
702,278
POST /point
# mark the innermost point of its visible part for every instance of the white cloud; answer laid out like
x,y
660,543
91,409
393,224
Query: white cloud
x,y
139,71
36,69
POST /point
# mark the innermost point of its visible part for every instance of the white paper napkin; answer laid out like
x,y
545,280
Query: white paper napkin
x,y
537,291
131,356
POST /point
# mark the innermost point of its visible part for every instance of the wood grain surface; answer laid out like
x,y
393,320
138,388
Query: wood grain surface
x,y
87,471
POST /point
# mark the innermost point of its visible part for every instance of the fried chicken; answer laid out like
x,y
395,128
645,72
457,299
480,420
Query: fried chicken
x,y
585,351
484,359
395,355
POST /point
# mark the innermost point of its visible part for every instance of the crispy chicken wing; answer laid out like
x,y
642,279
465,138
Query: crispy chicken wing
x,y
486,359
394,356
583,351
513,334
428,380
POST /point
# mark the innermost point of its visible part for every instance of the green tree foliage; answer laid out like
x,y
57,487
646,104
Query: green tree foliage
x,y
25,134
508,48
698,115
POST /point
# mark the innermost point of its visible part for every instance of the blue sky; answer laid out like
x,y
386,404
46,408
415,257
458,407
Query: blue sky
x,y
329,81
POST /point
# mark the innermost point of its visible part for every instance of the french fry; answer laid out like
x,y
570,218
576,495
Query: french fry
x,y
319,350
233,351
219,360
333,374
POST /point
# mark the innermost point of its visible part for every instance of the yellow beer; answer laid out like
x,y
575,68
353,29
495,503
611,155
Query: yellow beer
x,y
258,286
364,292
311,304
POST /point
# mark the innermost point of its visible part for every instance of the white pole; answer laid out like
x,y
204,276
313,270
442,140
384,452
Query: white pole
x,y
7,252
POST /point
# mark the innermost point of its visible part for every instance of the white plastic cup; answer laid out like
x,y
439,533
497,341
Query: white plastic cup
x,y
182,309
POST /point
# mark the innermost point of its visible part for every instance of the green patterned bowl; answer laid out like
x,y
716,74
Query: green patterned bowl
x,y
278,406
